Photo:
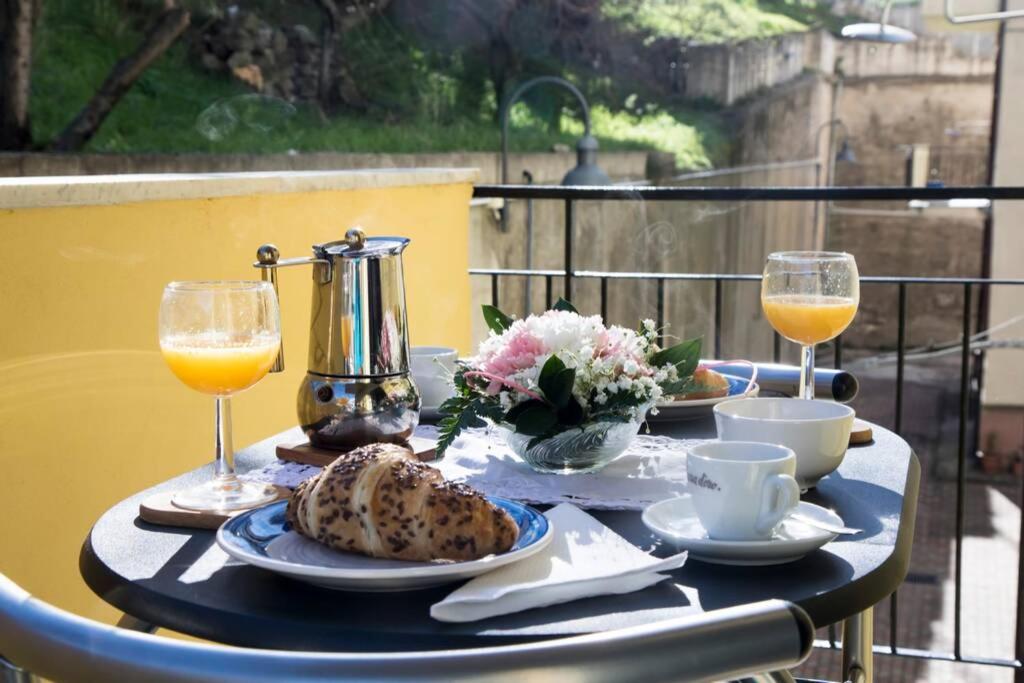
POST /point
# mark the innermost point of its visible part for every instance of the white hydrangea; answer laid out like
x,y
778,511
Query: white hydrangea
x,y
607,360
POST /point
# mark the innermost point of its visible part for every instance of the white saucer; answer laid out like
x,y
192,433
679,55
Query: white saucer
x,y
675,521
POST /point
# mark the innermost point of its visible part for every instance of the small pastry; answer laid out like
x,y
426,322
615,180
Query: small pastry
x,y
380,501
705,383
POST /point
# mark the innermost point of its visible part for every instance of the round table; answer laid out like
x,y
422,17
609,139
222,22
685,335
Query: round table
x,y
179,579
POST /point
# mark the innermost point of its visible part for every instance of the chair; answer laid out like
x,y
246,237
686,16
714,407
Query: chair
x,y
724,644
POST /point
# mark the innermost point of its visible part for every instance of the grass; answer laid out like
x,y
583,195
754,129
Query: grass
x,y
714,21
176,107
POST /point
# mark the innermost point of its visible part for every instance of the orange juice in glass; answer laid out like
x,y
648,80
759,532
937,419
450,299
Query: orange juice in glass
x,y
220,338
221,367
810,297
809,319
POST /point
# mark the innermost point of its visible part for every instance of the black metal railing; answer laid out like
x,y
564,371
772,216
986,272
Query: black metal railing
x,y
970,286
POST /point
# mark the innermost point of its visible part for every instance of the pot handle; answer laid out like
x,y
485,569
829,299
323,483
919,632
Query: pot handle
x,y
268,260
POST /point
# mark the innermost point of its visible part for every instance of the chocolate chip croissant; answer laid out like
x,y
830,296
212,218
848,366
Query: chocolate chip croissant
x,y
379,500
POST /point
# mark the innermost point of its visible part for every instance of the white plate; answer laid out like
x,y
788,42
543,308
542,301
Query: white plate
x,y
675,521
261,538
702,407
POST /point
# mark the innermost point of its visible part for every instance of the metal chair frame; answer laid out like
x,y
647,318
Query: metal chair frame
x,y
724,644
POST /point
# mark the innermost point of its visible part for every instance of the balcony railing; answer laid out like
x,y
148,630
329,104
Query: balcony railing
x,y
970,347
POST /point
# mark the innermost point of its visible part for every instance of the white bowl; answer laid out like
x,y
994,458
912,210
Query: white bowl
x,y
817,431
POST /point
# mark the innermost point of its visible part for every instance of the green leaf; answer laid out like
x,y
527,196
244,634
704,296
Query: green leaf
x,y
684,355
497,321
490,409
536,420
559,387
556,381
515,411
680,386
552,366
571,414
469,416
563,305
453,405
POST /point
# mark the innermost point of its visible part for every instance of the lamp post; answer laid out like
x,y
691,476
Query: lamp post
x,y
845,153
586,171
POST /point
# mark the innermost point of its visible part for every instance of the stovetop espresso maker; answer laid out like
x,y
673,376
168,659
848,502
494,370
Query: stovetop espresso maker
x,y
358,388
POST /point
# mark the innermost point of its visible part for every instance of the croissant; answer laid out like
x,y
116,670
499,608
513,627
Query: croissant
x,y
379,500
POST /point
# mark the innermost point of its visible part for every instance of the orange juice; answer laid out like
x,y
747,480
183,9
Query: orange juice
x,y
809,319
219,366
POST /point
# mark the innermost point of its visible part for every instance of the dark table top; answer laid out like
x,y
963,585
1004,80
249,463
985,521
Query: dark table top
x,y
179,579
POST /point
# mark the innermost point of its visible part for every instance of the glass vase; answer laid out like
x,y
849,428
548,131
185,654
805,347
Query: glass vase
x,y
587,448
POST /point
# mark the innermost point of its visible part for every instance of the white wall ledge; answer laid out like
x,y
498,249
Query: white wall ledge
x,y
51,191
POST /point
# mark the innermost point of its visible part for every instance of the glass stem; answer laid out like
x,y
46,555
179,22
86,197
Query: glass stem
x,y
224,464
807,372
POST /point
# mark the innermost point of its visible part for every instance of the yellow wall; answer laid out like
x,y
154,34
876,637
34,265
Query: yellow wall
x,y
88,412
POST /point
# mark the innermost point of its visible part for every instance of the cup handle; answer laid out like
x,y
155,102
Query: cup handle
x,y
779,495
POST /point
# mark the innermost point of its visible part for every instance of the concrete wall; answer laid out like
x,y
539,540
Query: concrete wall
x,y
884,117
1004,377
929,55
730,73
935,243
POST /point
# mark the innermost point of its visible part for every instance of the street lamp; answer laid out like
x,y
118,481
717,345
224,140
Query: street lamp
x,y
586,172
845,153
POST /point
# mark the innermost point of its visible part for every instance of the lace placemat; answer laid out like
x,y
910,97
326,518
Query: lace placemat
x,y
653,468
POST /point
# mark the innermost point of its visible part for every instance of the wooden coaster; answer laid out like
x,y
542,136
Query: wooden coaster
x,y
158,509
304,453
861,432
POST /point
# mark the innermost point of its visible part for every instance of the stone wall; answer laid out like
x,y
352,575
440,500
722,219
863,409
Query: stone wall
x,y
279,61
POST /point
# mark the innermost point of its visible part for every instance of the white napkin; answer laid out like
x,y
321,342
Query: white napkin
x,y
585,558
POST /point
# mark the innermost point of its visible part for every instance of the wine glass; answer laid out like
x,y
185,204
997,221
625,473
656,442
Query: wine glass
x,y
220,338
810,297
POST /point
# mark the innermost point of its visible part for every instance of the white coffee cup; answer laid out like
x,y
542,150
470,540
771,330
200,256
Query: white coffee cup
x,y
432,368
741,490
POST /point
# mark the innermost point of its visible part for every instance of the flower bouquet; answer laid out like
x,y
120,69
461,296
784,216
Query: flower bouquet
x,y
571,392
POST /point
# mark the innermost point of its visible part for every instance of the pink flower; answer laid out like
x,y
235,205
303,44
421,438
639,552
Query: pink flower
x,y
518,353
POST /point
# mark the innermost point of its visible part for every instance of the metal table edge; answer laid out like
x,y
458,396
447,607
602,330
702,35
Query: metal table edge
x,y
883,581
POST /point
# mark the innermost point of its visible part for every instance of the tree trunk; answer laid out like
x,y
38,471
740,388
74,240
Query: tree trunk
x,y
171,24
16,74
332,21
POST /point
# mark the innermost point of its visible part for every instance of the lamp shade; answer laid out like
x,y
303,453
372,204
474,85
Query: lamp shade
x,y
845,153
879,33
586,172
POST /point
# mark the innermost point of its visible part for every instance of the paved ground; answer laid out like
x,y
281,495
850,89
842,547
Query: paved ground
x,y
992,526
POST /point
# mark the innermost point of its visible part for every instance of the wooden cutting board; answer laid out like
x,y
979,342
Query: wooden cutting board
x,y
304,453
158,509
861,432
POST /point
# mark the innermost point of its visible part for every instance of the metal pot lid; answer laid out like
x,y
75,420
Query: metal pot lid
x,y
357,245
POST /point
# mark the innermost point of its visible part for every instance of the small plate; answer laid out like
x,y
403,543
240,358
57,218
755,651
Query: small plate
x,y
262,538
675,521
702,407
